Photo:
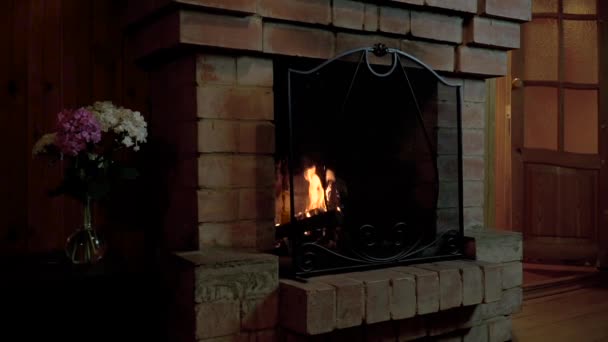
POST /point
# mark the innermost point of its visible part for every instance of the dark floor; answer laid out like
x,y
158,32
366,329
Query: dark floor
x,y
562,303
579,315
542,280
538,273
45,300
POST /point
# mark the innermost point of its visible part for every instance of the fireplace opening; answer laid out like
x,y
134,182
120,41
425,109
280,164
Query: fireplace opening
x,y
368,163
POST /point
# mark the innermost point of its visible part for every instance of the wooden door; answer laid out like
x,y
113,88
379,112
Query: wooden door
x,y
556,132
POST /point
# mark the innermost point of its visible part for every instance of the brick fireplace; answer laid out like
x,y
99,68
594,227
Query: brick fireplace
x,y
212,110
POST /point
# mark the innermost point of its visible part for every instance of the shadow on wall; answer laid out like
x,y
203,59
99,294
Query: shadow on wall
x,y
136,210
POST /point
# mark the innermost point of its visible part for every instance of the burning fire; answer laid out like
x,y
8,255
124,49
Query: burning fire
x,y
316,193
321,199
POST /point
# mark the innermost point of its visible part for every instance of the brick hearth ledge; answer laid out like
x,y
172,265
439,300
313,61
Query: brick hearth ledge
x,y
238,296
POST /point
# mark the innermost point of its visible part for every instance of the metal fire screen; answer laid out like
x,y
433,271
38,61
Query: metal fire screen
x,y
368,164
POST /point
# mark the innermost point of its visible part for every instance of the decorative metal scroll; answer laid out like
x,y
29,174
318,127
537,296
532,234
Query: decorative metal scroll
x,y
341,238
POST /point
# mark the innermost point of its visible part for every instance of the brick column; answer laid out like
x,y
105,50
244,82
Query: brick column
x,y
235,107
473,141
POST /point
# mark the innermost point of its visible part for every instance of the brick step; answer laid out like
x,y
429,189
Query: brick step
x,y
469,292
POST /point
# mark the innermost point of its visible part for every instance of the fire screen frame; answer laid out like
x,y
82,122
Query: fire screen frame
x,y
302,263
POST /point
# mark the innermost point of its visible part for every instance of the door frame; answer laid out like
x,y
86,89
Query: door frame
x,y
602,8
498,146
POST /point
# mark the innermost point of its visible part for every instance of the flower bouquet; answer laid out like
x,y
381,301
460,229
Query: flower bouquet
x,y
93,142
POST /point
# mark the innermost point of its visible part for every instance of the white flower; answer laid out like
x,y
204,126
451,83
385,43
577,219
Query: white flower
x,y
127,141
133,125
129,125
105,112
42,143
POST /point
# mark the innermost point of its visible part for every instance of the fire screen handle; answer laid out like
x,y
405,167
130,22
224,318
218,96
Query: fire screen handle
x,y
375,52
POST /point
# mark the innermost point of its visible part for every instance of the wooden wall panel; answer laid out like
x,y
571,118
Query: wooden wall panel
x,y
603,142
562,202
561,212
62,53
17,130
45,215
541,182
13,178
578,203
106,50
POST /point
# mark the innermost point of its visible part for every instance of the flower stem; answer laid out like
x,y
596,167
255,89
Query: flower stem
x,y
87,213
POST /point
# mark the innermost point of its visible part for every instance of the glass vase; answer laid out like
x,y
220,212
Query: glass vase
x,y
85,246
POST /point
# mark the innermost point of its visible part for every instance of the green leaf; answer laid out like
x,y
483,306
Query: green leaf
x,y
128,173
98,189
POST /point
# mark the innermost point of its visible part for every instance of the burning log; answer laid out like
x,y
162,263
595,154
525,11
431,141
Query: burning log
x,y
332,195
317,228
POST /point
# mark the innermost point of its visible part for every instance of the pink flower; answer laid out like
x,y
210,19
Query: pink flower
x,y
75,129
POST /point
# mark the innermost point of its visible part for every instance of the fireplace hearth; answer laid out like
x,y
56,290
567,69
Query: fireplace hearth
x,y
359,141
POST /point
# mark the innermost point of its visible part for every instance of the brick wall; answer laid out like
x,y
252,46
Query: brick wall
x,y
473,125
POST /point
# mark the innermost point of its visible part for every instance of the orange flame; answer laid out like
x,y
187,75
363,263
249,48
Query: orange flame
x,y
316,193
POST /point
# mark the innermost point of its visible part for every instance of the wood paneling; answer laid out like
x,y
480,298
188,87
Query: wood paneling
x,y
60,54
44,92
541,203
561,201
602,141
578,203
561,210
501,160
13,178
